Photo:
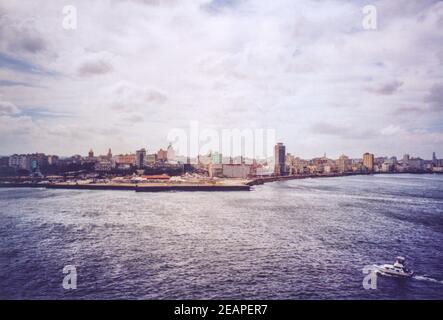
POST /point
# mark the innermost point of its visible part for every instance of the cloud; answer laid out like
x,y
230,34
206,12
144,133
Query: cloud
x,y
324,128
21,37
125,96
7,108
92,68
387,88
305,68
435,97
9,83
391,130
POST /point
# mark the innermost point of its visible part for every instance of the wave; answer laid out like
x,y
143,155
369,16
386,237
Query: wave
x,y
424,278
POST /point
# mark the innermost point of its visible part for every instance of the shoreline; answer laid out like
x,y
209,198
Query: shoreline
x,y
130,187
157,187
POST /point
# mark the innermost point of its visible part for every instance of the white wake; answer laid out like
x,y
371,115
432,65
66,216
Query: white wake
x,y
423,278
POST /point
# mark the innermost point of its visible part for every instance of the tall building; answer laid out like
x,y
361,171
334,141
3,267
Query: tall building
x,y
405,159
434,159
52,160
170,153
109,155
279,159
343,164
140,156
91,154
368,161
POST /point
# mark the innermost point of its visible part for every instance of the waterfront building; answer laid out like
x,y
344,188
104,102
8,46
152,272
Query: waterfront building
x,y
125,159
406,159
264,170
313,169
280,159
217,158
20,161
91,154
393,160
103,166
170,154
289,164
368,161
236,170
387,167
151,158
343,164
4,161
52,160
300,166
416,164
162,155
215,170
140,156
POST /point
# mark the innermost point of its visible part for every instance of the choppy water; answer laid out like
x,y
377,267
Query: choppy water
x,y
300,239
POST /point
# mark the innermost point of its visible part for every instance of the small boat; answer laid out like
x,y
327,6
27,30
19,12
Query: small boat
x,y
397,269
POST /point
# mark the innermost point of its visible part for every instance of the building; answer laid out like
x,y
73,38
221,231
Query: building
x,y
140,157
236,170
217,158
289,164
368,161
416,164
280,159
215,170
52,160
162,155
151,158
343,164
91,154
4,161
20,161
103,166
406,159
125,159
170,154
387,167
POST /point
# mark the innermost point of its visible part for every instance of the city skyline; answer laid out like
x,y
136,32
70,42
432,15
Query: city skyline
x,y
132,71
211,165
91,152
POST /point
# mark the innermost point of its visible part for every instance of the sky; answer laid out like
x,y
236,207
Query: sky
x,y
133,70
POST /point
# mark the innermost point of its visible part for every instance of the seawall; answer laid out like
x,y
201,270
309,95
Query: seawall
x,y
131,187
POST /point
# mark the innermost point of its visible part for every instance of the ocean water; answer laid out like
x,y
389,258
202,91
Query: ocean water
x,y
299,239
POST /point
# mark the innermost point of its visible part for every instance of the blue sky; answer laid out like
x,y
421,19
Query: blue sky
x,y
134,70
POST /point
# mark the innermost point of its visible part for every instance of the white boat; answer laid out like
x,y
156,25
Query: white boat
x,y
397,269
